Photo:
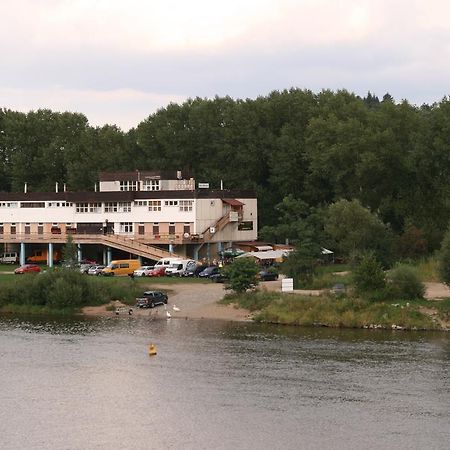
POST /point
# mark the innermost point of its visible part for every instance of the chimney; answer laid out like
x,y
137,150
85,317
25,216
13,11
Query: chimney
x,y
56,187
95,187
64,187
25,187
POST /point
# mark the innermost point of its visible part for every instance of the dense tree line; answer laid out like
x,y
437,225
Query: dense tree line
x,y
301,151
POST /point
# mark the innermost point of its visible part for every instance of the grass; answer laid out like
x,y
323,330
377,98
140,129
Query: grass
x,y
347,312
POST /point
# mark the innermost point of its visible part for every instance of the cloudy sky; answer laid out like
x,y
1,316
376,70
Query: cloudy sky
x,y
117,61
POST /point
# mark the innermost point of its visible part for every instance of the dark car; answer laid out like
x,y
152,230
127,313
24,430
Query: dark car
x,y
219,278
150,299
27,268
211,270
265,275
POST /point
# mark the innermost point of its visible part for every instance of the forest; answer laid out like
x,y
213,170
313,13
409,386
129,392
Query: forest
x,y
307,155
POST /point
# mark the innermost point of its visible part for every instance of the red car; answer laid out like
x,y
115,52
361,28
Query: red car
x,y
27,268
157,272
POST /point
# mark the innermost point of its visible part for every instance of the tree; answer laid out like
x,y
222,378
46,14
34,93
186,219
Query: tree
x,y
405,283
241,274
355,229
70,253
444,259
369,276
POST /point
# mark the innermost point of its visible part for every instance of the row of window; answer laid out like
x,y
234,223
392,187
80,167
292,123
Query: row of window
x,y
147,185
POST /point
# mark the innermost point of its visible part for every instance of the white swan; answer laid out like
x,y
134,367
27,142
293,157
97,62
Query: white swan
x,y
175,308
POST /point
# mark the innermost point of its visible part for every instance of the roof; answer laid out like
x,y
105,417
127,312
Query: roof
x,y
232,202
263,248
137,175
270,254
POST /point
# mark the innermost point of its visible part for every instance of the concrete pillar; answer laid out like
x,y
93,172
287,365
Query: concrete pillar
x,y
104,261
108,255
140,260
170,248
22,256
50,255
79,253
208,252
196,250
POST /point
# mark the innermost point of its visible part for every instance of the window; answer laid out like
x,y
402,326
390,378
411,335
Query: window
x,y
111,207
154,205
187,228
151,185
126,227
156,228
141,229
171,228
8,204
1,228
124,207
82,207
27,228
186,205
32,204
171,203
140,203
128,185
95,207
13,228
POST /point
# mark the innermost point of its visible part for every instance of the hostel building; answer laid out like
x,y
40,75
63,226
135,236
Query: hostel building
x,y
129,214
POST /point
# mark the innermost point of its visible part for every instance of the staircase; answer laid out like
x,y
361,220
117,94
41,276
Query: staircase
x,y
224,220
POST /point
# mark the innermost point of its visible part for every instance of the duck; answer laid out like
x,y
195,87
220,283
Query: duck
x,y
168,315
175,308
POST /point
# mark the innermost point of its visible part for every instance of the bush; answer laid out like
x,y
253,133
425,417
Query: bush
x,y
444,259
241,275
368,276
405,283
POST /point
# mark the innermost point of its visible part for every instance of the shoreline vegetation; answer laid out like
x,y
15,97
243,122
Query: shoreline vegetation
x,y
67,292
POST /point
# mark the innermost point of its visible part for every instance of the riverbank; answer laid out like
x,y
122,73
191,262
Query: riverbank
x,y
307,308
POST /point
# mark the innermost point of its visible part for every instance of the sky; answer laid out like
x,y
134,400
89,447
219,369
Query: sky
x,y
118,62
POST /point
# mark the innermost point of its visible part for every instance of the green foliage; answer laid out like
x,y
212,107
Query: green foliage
x,y
241,275
444,259
369,277
404,283
411,244
70,253
355,229
302,262
65,290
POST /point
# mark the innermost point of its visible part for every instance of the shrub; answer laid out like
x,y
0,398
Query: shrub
x,y
405,283
368,276
444,259
241,275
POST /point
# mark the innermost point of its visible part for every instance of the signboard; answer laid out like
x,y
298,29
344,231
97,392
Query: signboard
x,y
287,285
203,185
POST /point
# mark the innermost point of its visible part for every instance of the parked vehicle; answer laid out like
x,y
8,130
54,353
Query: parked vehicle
x,y
211,270
9,258
178,268
95,270
121,267
219,277
167,262
41,256
27,268
157,272
265,275
150,299
142,271
84,268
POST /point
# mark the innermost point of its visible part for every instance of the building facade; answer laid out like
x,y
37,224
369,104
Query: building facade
x,y
143,213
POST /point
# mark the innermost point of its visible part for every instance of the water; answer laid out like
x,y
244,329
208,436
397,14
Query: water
x,y
90,384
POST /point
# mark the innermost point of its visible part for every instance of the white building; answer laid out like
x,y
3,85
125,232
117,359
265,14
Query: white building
x,y
142,213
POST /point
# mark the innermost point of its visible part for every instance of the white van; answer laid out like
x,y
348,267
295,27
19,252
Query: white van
x,y
167,262
9,258
179,267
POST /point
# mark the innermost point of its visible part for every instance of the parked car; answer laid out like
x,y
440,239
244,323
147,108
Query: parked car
x,y
27,268
338,289
265,275
211,270
84,268
150,299
143,271
219,278
95,270
157,272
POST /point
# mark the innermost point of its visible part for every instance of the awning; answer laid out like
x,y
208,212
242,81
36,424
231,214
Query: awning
x,y
232,202
263,248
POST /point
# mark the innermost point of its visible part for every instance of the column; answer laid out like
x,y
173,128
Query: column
x,y
108,255
170,248
22,256
196,250
50,255
79,253
140,260
208,252
105,258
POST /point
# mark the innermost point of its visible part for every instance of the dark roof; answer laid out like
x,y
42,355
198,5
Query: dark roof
x,y
232,202
124,196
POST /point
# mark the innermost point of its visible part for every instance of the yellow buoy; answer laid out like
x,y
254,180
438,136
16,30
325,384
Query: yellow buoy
x,y
152,350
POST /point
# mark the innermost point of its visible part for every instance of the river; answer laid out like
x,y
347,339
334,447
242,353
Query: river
x,y
90,384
